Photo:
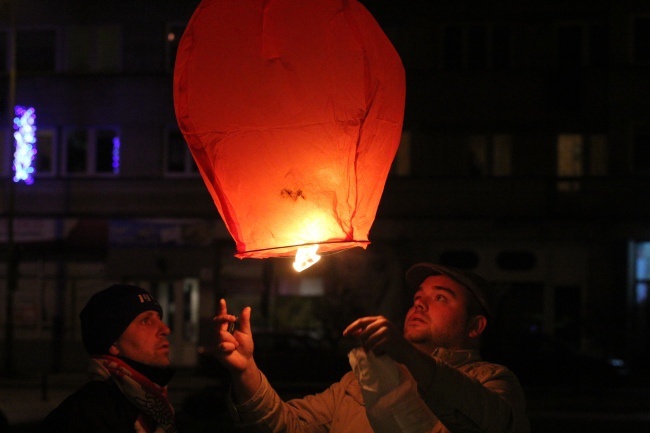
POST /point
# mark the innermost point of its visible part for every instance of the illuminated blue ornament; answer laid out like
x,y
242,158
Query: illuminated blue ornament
x,y
116,154
25,147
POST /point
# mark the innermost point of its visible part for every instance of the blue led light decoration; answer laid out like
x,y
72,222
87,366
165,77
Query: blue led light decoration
x,y
25,145
116,154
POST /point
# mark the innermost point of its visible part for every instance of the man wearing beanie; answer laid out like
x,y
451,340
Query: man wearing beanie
x,y
123,332
427,377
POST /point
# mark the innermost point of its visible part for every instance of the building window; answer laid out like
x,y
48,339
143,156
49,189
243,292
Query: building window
x,y
516,260
570,46
452,48
4,52
641,149
476,47
641,40
402,163
579,155
5,151
582,45
45,160
178,158
172,39
91,151
36,50
93,48
598,50
501,47
639,284
570,149
462,259
490,155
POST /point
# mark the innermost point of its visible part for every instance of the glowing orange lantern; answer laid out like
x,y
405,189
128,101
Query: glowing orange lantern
x,y
293,112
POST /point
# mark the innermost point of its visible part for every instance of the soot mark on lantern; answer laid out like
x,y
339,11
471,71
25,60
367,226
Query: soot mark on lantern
x,y
294,195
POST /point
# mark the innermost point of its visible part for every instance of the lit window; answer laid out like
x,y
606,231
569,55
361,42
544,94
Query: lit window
x,y
579,155
569,160
639,283
178,158
91,151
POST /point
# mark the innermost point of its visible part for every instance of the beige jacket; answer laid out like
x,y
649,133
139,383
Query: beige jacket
x,y
466,395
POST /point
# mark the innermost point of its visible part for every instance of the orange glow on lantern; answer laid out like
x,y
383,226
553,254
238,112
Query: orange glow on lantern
x,y
293,112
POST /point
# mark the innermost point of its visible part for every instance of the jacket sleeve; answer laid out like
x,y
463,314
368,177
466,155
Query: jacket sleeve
x,y
266,412
486,398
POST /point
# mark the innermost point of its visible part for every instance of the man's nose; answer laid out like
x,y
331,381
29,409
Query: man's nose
x,y
164,329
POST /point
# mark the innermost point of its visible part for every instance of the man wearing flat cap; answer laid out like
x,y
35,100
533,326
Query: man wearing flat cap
x,y
429,377
123,332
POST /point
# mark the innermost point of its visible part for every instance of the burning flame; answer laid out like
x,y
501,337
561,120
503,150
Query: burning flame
x,y
305,257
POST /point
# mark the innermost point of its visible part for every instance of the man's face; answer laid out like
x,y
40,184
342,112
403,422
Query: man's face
x,y
144,340
438,317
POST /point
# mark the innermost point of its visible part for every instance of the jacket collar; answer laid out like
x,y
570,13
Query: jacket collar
x,y
456,358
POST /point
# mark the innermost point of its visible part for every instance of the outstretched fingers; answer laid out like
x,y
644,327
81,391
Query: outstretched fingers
x,y
226,342
355,328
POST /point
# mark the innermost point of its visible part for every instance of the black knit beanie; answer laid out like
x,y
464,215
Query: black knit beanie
x,y
109,312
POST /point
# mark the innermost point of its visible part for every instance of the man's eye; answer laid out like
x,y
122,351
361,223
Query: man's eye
x,y
440,298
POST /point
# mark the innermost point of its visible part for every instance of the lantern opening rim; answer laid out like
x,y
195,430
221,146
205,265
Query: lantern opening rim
x,y
289,251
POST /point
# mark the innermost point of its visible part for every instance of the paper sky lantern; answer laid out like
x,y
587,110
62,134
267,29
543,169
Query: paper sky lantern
x,y
293,112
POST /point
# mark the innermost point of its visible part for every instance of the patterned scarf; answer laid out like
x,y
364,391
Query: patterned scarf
x,y
157,414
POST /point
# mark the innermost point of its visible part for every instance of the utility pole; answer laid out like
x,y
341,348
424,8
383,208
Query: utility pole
x,y
12,258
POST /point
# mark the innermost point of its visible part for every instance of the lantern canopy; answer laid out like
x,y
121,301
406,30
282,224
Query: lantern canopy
x,y
293,112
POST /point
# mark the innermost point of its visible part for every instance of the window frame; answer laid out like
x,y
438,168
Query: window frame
x,y
94,59
190,169
91,151
57,48
465,47
54,133
634,60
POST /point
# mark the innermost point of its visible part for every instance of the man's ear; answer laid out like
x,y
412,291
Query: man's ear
x,y
477,325
113,350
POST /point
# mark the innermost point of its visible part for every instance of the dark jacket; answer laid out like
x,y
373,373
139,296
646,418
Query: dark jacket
x,y
98,406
